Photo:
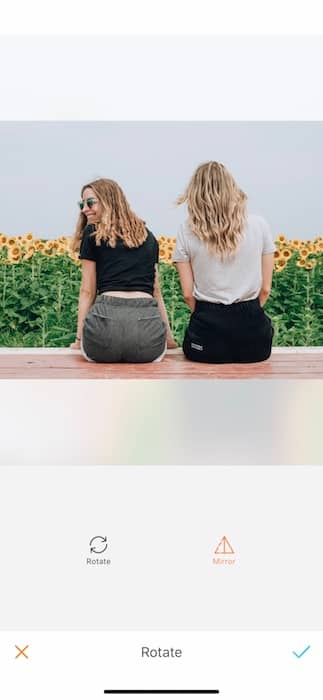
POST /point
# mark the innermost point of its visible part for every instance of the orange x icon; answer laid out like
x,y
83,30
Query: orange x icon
x,y
21,652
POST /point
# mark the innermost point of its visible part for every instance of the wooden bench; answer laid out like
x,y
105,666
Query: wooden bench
x,y
63,363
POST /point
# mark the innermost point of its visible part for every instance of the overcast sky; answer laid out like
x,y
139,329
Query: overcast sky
x,y
44,164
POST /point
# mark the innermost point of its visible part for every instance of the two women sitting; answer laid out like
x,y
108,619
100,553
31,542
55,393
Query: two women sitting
x,y
225,261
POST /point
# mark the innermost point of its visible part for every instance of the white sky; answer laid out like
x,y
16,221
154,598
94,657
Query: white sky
x,y
44,164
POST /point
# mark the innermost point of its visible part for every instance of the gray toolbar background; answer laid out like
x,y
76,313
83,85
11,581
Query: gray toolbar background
x,y
163,525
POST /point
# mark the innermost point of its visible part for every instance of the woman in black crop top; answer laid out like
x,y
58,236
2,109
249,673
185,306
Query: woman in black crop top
x,y
127,321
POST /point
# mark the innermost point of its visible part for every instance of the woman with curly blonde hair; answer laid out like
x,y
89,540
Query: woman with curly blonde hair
x,y
127,321
225,261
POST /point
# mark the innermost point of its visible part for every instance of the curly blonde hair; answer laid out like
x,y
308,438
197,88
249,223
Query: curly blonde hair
x,y
216,208
117,220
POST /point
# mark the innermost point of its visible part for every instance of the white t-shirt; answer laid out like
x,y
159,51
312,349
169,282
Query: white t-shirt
x,y
239,278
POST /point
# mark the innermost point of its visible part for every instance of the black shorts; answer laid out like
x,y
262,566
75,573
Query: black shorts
x,y
225,333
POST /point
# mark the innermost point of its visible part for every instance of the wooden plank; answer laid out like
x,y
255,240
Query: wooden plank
x,y
173,366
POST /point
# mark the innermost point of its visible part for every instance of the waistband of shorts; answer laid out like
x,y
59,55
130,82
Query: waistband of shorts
x,y
133,302
237,305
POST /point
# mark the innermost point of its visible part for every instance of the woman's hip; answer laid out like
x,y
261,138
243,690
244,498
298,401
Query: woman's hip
x,y
237,333
124,330
228,317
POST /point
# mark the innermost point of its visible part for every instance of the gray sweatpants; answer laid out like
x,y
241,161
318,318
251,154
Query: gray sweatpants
x,y
119,329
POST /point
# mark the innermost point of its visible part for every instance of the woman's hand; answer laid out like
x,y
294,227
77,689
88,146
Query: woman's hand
x,y
86,298
171,343
187,283
267,264
76,345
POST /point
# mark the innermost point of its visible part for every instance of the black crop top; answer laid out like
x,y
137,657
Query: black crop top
x,y
121,269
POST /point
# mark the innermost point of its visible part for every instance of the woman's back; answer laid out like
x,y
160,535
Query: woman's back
x,y
239,276
121,268
225,262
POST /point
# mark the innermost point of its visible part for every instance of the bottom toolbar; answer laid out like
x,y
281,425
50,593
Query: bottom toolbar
x,y
91,665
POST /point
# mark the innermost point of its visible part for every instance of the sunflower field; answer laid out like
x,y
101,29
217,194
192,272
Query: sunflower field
x,y
39,285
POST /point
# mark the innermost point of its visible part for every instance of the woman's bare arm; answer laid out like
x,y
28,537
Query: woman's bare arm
x,y
171,344
86,297
187,282
267,265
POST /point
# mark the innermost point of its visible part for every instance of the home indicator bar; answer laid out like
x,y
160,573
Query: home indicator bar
x,y
162,692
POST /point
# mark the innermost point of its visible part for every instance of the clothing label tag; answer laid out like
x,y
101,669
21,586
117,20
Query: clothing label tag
x,y
195,346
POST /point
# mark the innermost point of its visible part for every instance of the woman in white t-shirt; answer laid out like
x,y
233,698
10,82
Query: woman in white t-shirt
x,y
225,261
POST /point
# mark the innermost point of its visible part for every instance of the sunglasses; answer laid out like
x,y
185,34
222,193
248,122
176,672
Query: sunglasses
x,y
88,202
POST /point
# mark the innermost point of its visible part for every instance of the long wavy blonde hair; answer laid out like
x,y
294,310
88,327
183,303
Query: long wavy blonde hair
x,y
117,220
216,208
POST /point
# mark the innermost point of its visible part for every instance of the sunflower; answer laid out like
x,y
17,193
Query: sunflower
x,y
281,238
287,253
29,244
74,256
14,258
303,252
29,253
14,251
48,247
301,263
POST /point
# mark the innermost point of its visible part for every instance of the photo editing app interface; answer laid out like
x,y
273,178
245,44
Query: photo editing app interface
x,y
122,574
164,580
